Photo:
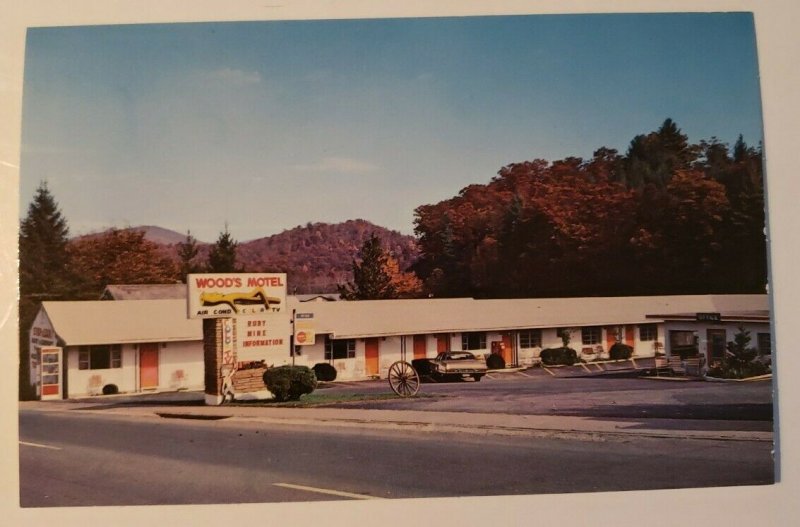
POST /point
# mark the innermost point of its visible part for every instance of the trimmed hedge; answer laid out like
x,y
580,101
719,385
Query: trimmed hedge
x,y
620,351
556,356
324,372
288,383
495,362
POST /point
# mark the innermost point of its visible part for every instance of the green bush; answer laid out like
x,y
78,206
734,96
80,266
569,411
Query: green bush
x,y
740,361
324,372
556,356
620,351
288,383
495,362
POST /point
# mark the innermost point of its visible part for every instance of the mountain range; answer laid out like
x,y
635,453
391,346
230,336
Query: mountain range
x,y
316,256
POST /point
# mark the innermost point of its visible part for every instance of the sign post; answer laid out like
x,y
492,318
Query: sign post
x,y
245,320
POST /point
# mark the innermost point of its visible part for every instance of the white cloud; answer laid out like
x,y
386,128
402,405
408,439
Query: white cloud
x,y
341,165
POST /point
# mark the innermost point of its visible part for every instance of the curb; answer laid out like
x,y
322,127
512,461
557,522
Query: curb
x,y
480,429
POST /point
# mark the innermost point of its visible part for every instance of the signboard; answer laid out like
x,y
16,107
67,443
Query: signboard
x,y
304,330
263,338
708,317
236,294
51,376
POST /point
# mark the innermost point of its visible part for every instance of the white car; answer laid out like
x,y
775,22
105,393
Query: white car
x,y
457,364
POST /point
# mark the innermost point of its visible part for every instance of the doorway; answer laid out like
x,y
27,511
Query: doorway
x,y
371,356
148,366
716,346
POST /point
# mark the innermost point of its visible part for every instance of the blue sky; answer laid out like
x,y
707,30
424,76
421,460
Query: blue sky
x,y
269,125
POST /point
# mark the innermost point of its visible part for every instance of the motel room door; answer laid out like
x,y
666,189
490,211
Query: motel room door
x,y
371,356
715,349
442,343
419,347
148,366
507,349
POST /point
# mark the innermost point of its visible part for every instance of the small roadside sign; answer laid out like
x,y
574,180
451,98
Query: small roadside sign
x,y
304,329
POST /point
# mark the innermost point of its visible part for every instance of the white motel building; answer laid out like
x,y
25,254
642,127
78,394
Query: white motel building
x,y
140,339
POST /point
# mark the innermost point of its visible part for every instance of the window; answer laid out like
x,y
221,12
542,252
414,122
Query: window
x,y
99,357
339,349
530,338
764,344
590,336
648,332
475,340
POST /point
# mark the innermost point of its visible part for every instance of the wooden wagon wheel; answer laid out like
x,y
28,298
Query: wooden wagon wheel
x,y
403,379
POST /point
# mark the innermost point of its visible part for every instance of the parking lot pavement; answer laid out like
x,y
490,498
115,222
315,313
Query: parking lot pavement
x,y
688,405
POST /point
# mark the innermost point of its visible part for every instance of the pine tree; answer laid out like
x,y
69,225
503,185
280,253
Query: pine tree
x,y
371,281
43,247
222,258
42,269
187,252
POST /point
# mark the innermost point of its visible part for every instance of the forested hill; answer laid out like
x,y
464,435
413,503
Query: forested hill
x,y
318,256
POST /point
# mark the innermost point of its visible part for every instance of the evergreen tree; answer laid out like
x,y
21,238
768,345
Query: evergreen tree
x,y
43,247
42,269
187,252
371,279
222,258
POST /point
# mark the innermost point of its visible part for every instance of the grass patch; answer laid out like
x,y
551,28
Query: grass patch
x,y
325,399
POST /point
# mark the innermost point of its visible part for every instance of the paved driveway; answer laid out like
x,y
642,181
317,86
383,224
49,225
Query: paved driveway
x,y
535,392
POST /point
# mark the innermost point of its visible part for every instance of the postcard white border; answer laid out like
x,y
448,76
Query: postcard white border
x,y
768,505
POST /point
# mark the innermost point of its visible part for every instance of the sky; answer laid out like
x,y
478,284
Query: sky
x,y
263,126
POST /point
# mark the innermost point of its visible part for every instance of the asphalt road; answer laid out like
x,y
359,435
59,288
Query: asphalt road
x,y
80,460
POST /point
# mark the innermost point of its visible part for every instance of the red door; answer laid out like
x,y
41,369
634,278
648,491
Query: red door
x,y
419,347
506,349
148,366
629,335
371,355
442,343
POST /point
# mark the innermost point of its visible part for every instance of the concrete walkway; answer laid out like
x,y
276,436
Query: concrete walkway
x,y
585,428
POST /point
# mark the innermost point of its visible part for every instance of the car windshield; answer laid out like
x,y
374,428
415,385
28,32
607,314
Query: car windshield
x,y
459,356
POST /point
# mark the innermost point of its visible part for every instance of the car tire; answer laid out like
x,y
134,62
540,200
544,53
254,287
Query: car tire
x,y
477,377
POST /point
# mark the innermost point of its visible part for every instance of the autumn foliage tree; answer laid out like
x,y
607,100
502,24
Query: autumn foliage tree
x,y
118,256
667,217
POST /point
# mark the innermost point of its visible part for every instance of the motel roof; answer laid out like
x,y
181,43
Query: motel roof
x,y
164,320
83,323
143,291
375,318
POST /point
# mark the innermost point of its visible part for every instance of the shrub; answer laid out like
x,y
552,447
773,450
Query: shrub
x,y
288,383
741,361
110,389
495,362
620,351
422,366
324,372
555,356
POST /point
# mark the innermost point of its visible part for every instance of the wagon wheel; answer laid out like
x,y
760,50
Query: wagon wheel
x,y
403,379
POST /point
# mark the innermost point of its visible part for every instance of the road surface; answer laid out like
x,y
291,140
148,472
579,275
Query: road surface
x,y
80,460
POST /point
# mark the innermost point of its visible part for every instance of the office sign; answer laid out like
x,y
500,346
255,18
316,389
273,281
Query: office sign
x,y
236,295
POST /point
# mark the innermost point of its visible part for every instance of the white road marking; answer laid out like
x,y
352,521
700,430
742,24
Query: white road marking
x,y
39,446
328,491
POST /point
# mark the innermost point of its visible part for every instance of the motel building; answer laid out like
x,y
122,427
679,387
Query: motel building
x,y
86,348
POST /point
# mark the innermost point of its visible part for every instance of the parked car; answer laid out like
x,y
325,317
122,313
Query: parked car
x,y
457,364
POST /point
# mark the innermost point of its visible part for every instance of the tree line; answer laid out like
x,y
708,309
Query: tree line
x,y
667,217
